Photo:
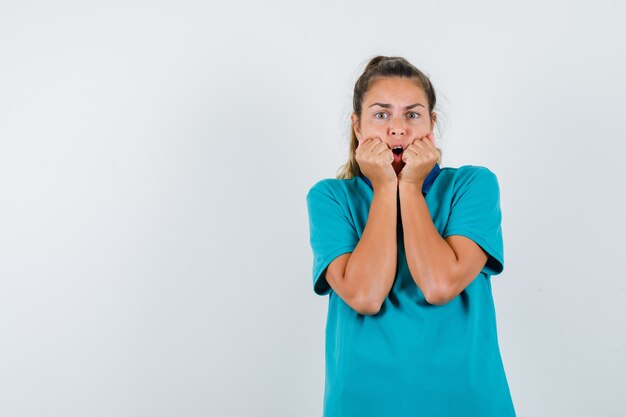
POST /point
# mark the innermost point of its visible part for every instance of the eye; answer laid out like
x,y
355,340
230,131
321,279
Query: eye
x,y
376,115
413,114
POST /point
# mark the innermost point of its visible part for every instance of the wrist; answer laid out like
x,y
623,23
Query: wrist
x,y
410,186
385,187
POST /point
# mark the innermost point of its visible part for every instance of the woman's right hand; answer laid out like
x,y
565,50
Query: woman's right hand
x,y
375,159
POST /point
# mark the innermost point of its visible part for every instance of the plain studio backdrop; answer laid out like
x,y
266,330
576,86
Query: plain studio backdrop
x,y
154,163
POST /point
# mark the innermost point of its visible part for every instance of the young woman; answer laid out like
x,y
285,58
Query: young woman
x,y
405,250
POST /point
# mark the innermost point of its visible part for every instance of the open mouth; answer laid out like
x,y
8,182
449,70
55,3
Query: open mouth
x,y
397,151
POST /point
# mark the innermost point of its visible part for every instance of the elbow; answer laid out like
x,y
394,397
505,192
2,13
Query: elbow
x,y
364,300
436,288
370,309
437,299
366,306
438,296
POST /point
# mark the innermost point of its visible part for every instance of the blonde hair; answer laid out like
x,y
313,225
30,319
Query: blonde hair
x,y
380,67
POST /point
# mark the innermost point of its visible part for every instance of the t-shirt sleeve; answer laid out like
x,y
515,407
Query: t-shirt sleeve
x,y
332,233
475,213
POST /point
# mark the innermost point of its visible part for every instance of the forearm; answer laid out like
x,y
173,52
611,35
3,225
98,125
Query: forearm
x,y
371,268
429,257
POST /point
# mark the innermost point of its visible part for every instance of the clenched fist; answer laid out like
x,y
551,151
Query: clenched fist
x,y
420,158
375,158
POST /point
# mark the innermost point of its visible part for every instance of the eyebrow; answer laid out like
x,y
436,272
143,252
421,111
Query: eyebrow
x,y
385,105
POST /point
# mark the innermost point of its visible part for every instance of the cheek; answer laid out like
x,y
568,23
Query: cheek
x,y
421,130
368,130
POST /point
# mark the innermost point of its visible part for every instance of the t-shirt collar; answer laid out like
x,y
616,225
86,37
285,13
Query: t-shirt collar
x,y
430,178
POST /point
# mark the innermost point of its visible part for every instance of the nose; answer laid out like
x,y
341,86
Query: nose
x,y
396,127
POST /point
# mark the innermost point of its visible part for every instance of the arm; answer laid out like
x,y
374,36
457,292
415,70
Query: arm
x,y
371,267
441,268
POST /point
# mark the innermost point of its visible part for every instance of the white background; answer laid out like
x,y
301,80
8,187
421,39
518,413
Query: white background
x,y
154,162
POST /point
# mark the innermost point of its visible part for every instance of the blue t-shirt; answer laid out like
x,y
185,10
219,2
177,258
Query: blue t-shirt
x,y
412,358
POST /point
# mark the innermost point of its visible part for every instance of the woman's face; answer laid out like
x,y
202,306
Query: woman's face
x,y
396,111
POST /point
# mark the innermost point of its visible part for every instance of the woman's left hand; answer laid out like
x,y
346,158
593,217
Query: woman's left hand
x,y
420,158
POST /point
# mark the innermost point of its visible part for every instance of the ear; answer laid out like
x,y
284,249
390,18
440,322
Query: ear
x,y
356,126
433,119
